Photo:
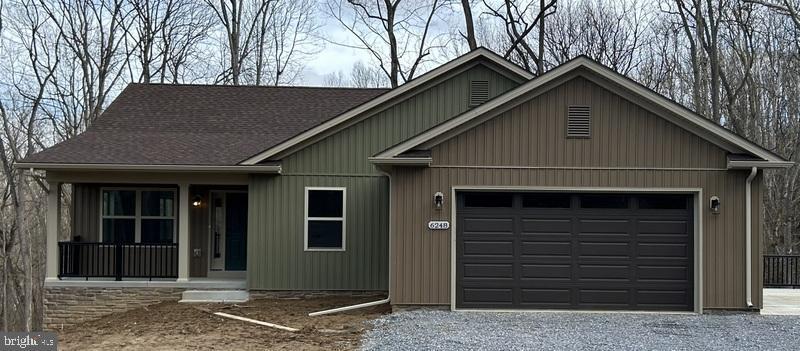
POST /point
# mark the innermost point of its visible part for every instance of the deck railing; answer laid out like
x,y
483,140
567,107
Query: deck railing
x,y
109,260
781,271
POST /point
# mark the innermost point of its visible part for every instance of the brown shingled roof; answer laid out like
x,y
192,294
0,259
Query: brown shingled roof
x,y
159,124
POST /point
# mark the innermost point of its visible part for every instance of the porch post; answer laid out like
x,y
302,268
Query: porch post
x,y
183,232
53,225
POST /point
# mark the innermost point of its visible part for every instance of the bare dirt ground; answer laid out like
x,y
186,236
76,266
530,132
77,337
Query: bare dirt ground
x,y
176,326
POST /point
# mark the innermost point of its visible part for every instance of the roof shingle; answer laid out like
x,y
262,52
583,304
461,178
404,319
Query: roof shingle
x,y
160,124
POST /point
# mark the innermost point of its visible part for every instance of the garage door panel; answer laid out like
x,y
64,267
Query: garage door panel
x,y
543,298
650,250
604,272
663,273
592,249
575,258
488,248
488,270
546,271
546,248
488,225
531,225
666,227
499,296
604,297
600,225
663,298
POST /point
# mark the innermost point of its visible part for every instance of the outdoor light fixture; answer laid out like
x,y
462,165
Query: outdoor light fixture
x,y
197,201
438,200
714,204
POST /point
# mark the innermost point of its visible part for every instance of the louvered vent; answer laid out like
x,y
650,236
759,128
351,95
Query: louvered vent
x,y
478,92
579,121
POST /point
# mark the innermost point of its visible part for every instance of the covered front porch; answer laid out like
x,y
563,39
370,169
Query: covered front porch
x,y
148,229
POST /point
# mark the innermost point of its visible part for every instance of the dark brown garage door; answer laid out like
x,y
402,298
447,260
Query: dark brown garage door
x,y
574,251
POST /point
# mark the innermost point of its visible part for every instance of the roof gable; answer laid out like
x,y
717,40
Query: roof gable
x,y
581,66
342,119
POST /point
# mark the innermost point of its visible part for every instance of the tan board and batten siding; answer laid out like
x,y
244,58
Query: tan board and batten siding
x,y
526,146
276,258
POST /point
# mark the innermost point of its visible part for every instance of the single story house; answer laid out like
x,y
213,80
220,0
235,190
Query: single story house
x,y
474,186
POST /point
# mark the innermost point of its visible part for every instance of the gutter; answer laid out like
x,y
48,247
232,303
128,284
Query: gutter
x,y
401,161
761,164
148,168
749,236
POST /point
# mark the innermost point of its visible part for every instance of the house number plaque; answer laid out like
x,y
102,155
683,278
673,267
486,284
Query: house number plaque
x,y
438,225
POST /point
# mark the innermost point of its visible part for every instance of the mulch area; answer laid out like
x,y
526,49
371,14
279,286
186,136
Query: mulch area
x,y
176,326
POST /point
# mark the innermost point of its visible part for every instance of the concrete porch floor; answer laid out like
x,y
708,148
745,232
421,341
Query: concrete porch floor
x,y
192,283
781,302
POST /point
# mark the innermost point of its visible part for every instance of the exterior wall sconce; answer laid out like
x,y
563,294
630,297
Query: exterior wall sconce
x,y
438,200
197,200
714,204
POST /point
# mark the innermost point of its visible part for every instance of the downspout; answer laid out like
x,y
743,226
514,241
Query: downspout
x,y
748,220
388,299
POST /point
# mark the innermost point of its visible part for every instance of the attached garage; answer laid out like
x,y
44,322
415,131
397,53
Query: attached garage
x,y
579,190
594,251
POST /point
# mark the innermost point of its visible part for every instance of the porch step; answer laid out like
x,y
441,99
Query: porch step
x,y
215,296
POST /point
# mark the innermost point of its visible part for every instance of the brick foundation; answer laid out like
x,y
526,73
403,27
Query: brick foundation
x,y
65,306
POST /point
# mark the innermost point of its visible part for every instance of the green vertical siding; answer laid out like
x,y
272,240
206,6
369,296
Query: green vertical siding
x,y
276,258
346,152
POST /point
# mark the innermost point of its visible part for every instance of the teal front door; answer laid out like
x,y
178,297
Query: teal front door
x,y
236,232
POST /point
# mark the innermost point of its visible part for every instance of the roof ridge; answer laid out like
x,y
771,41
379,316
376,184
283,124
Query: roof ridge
x,y
255,86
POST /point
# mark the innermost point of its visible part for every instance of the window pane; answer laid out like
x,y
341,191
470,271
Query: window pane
x,y
488,199
157,231
325,234
119,230
158,203
119,203
325,203
662,202
545,200
604,201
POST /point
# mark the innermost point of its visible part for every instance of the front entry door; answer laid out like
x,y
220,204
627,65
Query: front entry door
x,y
228,231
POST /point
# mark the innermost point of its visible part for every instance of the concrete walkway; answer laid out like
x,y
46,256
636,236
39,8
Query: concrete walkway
x,y
781,302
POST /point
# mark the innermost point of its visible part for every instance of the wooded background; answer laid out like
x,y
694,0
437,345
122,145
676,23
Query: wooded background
x,y
63,61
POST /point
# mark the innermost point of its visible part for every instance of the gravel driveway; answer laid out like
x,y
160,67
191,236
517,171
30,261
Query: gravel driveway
x,y
444,330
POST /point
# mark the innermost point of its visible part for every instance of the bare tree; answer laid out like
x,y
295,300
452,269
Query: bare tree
x,y
361,76
240,20
93,35
469,25
519,21
398,37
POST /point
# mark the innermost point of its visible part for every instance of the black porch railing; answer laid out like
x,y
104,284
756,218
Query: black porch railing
x,y
781,271
109,260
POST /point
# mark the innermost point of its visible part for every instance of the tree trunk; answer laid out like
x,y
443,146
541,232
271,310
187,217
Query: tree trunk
x,y
470,36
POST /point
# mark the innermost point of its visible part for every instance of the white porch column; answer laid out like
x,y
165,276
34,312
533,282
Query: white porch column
x,y
183,233
53,225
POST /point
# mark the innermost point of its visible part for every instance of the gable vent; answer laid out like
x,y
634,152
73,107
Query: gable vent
x,y
579,121
478,92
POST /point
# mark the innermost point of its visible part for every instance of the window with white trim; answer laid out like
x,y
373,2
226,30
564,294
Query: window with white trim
x,y
325,219
138,216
